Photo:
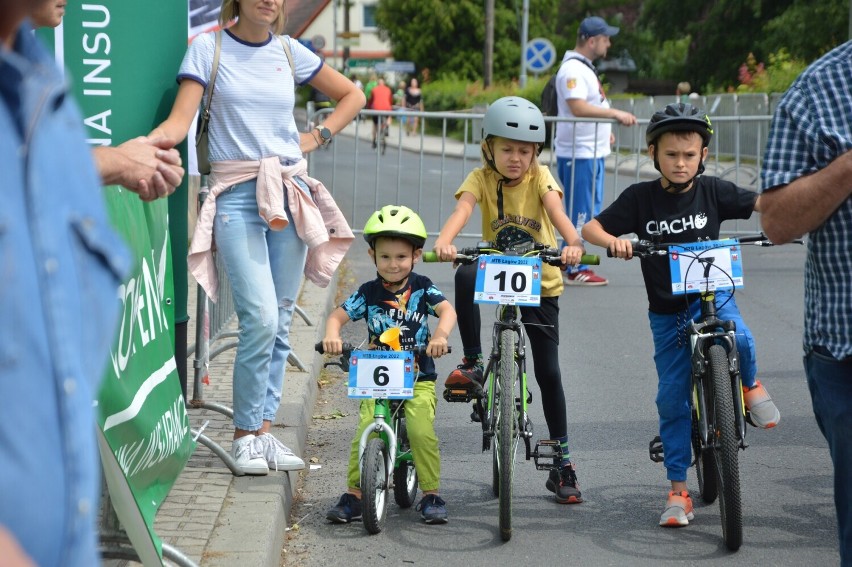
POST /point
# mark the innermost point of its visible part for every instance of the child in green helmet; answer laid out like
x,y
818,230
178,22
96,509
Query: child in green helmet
x,y
521,203
398,298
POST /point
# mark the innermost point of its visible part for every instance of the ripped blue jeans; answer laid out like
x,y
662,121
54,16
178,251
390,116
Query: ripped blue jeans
x,y
265,268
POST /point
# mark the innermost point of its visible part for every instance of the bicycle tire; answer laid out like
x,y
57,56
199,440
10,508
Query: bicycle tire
x,y
507,430
405,473
727,449
374,485
705,462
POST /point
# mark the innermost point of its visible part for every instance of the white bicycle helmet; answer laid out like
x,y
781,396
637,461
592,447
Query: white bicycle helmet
x,y
514,118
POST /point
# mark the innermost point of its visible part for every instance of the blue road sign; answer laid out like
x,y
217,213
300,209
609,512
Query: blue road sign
x,y
540,55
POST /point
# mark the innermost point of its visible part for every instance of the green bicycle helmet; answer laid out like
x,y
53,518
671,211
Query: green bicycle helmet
x,y
514,118
395,220
679,117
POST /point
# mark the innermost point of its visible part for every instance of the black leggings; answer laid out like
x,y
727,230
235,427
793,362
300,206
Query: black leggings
x,y
542,327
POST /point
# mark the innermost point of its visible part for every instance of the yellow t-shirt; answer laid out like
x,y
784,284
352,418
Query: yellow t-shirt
x,y
525,219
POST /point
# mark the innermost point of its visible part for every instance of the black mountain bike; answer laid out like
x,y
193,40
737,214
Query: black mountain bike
x,y
719,414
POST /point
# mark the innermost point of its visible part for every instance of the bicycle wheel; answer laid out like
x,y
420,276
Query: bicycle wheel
x,y
507,429
404,475
374,485
705,462
727,449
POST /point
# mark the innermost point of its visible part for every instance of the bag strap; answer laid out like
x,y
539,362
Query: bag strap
x,y
584,62
216,53
286,45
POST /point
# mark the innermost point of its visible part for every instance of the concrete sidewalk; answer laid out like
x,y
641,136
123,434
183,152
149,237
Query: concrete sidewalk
x,y
215,518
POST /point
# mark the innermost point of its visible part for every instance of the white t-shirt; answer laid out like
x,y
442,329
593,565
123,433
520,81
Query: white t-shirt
x,y
251,115
580,140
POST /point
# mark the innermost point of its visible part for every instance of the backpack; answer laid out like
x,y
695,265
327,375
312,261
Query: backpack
x,y
549,104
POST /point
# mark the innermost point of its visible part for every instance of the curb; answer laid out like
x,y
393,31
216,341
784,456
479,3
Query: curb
x,y
251,526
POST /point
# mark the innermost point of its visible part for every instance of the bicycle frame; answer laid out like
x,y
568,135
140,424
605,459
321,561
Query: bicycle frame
x,y
710,330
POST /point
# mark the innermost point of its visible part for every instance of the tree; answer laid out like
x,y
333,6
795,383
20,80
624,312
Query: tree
x,y
448,37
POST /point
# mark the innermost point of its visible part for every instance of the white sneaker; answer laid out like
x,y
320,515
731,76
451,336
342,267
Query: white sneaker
x,y
248,453
278,456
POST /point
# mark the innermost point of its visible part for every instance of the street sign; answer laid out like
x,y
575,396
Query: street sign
x,y
318,41
349,42
539,55
395,67
348,34
354,62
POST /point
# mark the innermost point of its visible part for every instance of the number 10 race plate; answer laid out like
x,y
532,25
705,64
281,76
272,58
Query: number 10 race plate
x,y
381,374
508,280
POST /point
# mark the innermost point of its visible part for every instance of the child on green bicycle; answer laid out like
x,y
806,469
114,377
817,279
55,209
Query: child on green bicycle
x,y
398,297
681,206
521,203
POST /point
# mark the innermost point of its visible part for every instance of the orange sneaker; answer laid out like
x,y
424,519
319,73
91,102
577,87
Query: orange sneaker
x,y
678,510
762,411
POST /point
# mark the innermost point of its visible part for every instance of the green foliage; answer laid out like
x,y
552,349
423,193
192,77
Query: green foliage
x,y
447,37
776,77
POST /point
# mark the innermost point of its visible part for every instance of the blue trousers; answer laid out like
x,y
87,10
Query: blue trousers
x,y
674,390
584,193
830,383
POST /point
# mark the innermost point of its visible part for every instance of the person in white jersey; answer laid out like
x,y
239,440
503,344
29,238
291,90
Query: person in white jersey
x,y
581,147
256,150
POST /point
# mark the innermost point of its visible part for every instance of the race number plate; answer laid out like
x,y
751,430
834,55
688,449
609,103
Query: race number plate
x,y
699,266
508,280
381,374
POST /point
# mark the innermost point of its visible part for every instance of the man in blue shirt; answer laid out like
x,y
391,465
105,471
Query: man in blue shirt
x,y
60,267
807,183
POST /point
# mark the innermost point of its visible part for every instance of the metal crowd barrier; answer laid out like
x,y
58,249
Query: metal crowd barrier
x,y
423,169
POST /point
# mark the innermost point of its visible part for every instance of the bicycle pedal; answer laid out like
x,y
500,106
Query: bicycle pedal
x,y
547,449
655,449
454,394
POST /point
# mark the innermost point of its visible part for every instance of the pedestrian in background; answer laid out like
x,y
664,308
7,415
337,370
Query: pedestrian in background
x,y
256,153
381,98
581,147
413,101
682,92
806,181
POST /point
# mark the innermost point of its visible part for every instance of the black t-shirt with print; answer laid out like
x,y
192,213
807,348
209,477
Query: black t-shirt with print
x,y
646,207
409,309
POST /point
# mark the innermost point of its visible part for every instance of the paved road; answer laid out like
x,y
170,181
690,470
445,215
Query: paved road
x,y
609,377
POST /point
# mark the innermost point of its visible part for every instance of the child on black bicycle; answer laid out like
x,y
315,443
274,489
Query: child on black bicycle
x,y
398,298
521,203
681,206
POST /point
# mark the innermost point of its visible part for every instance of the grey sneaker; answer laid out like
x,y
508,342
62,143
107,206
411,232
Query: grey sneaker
x,y
678,510
248,453
762,411
278,456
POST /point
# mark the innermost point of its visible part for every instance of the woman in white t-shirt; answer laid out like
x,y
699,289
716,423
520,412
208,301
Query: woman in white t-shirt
x,y
256,150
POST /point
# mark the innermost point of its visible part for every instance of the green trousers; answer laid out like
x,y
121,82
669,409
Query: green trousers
x,y
420,423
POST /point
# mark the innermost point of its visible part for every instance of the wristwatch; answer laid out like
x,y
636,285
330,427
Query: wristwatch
x,y
325,135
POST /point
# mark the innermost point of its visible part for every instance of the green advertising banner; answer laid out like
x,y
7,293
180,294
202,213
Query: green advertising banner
x,y
121,59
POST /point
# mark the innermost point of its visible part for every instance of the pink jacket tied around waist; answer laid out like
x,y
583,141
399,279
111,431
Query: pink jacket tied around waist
x,y
316,217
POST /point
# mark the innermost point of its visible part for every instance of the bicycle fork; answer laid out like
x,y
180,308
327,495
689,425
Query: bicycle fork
x,y
380,427
724,333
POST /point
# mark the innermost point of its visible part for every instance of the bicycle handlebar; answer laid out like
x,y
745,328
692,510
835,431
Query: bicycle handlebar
x,y
644,248
550,256
348,348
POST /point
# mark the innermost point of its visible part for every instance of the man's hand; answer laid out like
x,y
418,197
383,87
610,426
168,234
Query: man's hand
x,y
624,118
150,167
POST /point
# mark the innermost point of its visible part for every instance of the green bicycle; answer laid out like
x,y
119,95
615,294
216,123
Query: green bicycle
x,y
503,411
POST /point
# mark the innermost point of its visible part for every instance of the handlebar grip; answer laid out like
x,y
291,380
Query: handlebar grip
x,y
591,259
346,348
430,257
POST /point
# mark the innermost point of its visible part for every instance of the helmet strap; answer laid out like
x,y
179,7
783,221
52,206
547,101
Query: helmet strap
x,y
489,159
388,283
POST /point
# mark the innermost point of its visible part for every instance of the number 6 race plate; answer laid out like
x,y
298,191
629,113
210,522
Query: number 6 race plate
x,y
508,280
381,374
